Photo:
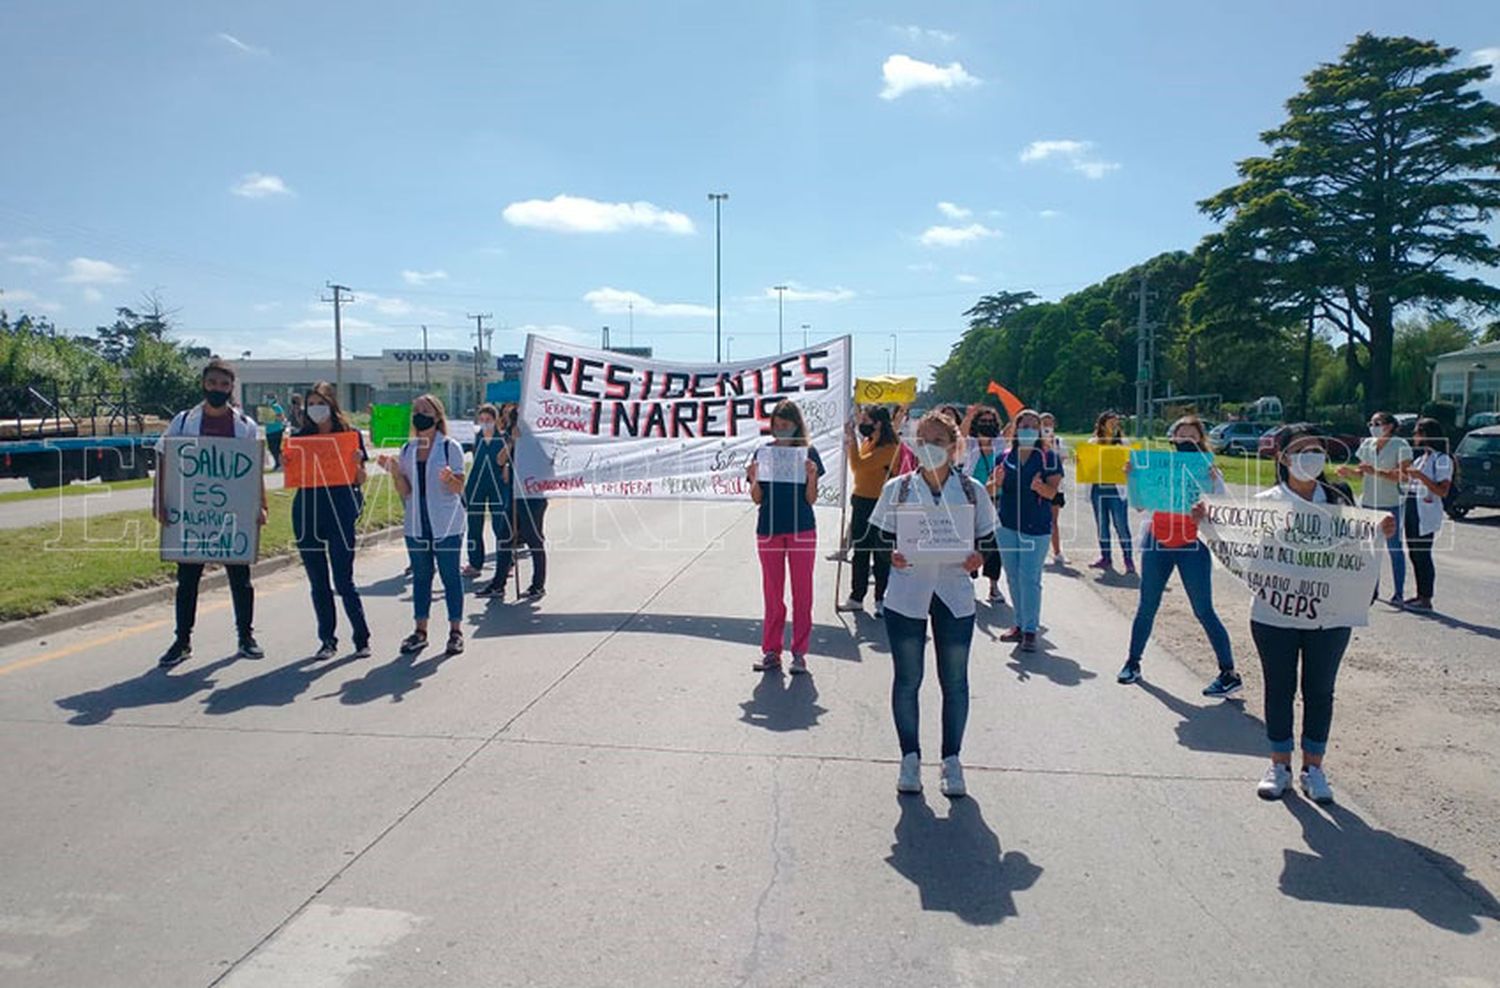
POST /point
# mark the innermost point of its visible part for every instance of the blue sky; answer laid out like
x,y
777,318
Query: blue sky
x,y
550,162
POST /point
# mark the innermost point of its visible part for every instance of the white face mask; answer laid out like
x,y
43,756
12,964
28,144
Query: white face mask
x,y
319,413
1307,466
931,456
1377,431
488,428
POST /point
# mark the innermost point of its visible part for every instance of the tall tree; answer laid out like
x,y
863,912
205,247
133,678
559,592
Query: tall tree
x,y
1376,191
991,310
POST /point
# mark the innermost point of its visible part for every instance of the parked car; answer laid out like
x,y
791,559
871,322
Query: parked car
x,y
1406,424
1478,457
1483,420
1235,437
1341,446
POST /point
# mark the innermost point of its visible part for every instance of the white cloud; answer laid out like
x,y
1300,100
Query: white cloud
x,y
1076,154
346,323
87,271
92,294
265,306
955,236
801,293
575,214
913,32
966,279
1049,214
925,267
11,298
258,186
614,301
1490,57
239,45
423,277
904,74
31,261
953,212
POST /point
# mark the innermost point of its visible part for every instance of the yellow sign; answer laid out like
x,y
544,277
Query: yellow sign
x,y
1102,463
887,389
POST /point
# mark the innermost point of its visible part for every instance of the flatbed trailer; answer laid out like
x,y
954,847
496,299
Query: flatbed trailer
x,y
48,440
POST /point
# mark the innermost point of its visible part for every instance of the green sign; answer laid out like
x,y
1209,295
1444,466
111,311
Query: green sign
x,y
390,425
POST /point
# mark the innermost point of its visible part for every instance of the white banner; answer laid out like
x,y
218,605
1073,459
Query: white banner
x,y
595,423
1315,565
211,491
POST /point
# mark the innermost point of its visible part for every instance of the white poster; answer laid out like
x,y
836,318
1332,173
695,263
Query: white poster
x,y
781,465
1314,564
211,491
595,423
935,533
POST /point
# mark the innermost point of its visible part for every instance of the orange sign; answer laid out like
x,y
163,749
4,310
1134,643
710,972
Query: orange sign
x,y
321,461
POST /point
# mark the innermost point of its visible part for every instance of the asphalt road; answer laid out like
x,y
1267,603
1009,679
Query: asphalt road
x,y
600,791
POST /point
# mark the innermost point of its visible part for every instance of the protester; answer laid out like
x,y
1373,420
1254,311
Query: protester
x,y
982,434
428,474
214,416
274,429
526,518
1382,458
873,450
1030,476
939,592
1108,501
1427,483
1300,460
295,419
1171,542
787,540
482,488
324,521
1053,442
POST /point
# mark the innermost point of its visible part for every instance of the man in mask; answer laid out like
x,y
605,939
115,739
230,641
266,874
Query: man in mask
x,y
213,416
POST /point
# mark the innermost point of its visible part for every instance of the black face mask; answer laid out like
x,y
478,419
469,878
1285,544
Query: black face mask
x,y
988,430
218,399
1185,446
867,429
423,422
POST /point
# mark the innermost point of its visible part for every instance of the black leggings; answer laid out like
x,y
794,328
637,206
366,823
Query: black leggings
x,y
1419,548
530,514
189,575
868,548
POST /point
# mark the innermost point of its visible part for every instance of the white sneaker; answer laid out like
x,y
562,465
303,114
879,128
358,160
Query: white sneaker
x,y
952,781
910,779
880,608
1315,785
851,604
1275,782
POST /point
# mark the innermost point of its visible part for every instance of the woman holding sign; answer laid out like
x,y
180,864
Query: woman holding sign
x,y
324,516
940,523
1171,542
783,481
428,474
1282,639
1030,475
873,453
1108,501
1428,481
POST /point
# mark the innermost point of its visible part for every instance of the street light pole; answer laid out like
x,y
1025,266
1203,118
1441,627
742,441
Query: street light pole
x,y
780,291
717,198
893,353
805,328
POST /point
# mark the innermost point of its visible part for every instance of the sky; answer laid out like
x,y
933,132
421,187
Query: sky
x,y
550,163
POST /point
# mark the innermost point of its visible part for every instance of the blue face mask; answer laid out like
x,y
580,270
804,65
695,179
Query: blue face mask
x,y
1027,437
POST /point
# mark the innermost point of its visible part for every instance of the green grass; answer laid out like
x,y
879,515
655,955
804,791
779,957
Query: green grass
x,y
1247,471
76,490
48,566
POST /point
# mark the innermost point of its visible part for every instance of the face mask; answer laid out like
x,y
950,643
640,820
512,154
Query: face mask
x,y
423,422
1377,431
931,456
1027,437
1047,431
488,428
987,429
1185,445
867,429
785,432
218,399
1306,466
319,413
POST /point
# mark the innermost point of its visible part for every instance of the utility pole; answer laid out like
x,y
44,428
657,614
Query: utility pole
x,y
604,338
893,353
805,327
426,364
780,291
339,298
478,350
718,200
630,305
1144,351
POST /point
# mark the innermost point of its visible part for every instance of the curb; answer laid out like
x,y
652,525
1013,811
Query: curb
x,y
64,617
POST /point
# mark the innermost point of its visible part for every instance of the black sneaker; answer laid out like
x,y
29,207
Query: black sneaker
x,y
362,651
327,650
250,648
455,642
491,591
1129,673
535,593
1226,684
180,652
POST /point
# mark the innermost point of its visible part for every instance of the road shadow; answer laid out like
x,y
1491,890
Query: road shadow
x,y
1354,864
1457,624
867,630
516,620
154,687
1110,578
1220,726
1058,669
391,586
276,688
783,704
993,618
395,679
956,861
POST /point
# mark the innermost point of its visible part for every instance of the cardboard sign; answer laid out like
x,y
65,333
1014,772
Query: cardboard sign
x,y
781,465
886,389
938,533
320,461
1168,481
390,425
211,492
1102,463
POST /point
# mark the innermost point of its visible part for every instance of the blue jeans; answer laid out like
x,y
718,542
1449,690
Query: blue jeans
x,y
950,641
499,512
442,554
1196,565
1024,555
323,521
1396,548
1109,507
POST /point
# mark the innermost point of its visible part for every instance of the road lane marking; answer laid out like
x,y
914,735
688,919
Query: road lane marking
x,y
91,643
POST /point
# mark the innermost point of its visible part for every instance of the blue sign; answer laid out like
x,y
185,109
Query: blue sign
x,y
499,392
510,363
1167,481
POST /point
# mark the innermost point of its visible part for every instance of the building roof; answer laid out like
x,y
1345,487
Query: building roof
x,y
1482,350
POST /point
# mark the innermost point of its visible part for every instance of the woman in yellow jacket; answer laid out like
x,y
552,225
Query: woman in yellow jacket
x,y
873,449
